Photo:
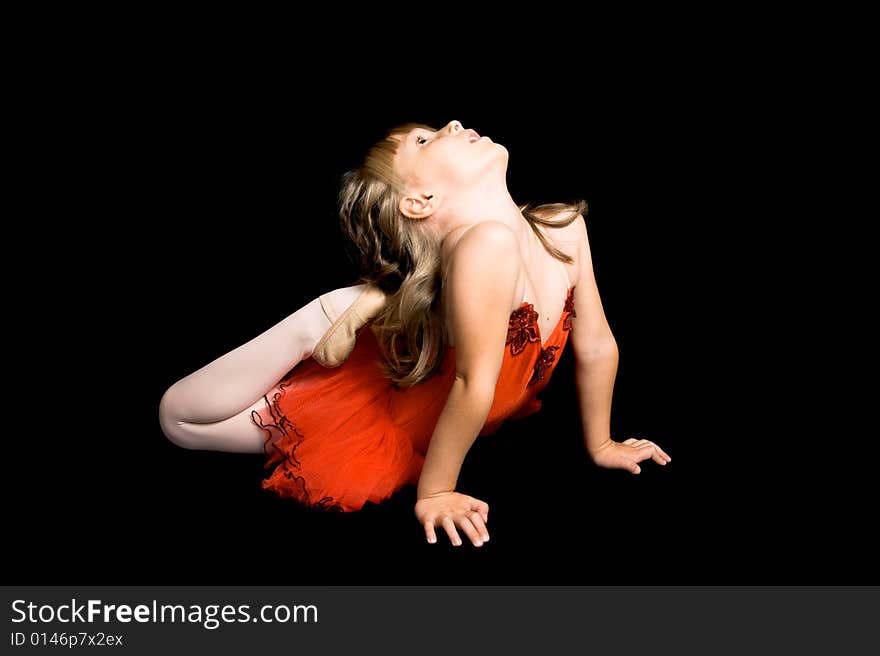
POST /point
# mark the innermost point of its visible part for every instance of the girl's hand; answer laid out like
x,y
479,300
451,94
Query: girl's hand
x,y
626,454
450,508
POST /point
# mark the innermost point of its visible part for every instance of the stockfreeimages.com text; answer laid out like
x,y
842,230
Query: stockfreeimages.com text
x,y
209,615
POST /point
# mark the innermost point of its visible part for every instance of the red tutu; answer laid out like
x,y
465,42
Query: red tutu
x,y
339,437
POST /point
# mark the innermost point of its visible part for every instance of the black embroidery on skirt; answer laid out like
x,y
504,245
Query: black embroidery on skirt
x,y
290,439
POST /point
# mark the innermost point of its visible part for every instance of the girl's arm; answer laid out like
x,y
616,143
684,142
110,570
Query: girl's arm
x,y
483,273
594,379
596,358
459,424
595,349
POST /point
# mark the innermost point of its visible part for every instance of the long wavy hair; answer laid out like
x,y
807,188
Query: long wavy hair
x,y
401,258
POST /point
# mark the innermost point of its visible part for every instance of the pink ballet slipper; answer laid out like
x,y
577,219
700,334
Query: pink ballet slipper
x,y
338,342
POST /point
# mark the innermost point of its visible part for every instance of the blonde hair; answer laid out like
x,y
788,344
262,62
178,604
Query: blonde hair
x,y
400,257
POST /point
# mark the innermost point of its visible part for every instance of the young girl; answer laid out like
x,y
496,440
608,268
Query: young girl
x,y
464,305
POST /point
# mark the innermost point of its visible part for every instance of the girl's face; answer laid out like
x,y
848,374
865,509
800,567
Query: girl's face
x,y
448,161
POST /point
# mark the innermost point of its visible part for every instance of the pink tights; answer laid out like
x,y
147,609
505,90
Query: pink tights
x,y
210,409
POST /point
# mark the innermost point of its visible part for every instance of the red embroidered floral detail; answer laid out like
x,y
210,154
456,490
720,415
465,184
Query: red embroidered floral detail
x,y
522,328
569,309
544,362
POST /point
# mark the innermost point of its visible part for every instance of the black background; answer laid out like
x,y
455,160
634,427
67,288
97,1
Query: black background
x,y
191,205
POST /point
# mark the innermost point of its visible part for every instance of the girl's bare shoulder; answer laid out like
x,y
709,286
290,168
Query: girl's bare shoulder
x,y
470,242
482,260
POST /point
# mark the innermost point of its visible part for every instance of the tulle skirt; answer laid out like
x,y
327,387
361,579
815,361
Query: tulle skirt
x,y
339,437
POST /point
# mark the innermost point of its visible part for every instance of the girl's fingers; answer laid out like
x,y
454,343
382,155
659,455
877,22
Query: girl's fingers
x,y
630,465
429,531
481,527
482,508
649,450
640,453
470,530
655,454
449,525
659,450
662,452
639,443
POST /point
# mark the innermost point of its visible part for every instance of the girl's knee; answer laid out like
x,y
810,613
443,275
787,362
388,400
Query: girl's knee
x,y
238,433
170,419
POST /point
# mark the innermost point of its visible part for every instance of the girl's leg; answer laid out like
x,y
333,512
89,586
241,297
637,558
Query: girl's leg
x,y
210,408
238,433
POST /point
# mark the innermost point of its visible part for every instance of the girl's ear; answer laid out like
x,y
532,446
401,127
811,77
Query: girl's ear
x,y
419,206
